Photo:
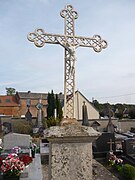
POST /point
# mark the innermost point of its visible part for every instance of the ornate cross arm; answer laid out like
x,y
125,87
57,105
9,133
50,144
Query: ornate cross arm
x,y
39,37
96,42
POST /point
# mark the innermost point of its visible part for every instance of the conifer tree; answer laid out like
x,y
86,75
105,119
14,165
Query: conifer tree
x,y
51,105
58,108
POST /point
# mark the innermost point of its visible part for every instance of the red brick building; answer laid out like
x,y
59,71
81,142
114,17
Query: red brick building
x,y
16,105
9,106
33,98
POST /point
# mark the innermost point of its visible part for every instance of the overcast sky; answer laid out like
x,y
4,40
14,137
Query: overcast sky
x,y
108,76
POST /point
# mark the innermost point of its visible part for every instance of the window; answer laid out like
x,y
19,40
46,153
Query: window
x,y
0,101
7,100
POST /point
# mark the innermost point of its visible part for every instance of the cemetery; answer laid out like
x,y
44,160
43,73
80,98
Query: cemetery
x,y
63,142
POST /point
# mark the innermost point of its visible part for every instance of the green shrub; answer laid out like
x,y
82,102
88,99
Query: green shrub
x,y
118,168
22,127
52,122
128,172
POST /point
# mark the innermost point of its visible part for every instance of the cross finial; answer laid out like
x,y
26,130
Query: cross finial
x,y
69,12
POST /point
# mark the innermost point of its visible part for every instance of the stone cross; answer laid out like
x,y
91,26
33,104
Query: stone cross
x,y
111,143
70,42
39,106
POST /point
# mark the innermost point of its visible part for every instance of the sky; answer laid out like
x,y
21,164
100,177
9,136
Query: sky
x,y
108,76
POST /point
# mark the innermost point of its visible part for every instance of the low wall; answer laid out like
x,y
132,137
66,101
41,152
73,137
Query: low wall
x,y
124,125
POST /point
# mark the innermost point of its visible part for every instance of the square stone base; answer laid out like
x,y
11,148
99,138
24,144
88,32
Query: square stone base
x,y
71,161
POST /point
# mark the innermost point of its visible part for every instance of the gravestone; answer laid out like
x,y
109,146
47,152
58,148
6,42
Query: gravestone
x,y
28,116
40,115
7,127
102,144
85,121
132,129
13,139
44,151
129,150
129,146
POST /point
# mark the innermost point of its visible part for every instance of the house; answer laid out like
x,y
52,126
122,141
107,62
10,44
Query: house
x,y
93,113
18,104
9,105
30,99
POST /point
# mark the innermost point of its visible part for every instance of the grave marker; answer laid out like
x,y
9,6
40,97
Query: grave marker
x,y
129,146
70,42
110,143
13,139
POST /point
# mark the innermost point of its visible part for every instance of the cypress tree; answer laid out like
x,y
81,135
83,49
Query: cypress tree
x,y
51,105
59,108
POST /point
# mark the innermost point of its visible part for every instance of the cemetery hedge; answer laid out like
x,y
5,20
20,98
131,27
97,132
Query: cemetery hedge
x,y
127,172
52,122
22,127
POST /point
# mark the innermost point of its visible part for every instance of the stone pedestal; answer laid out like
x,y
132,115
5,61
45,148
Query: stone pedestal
x,y
70,153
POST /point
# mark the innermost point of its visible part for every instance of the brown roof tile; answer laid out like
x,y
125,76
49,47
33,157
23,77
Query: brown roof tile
x,y
8,101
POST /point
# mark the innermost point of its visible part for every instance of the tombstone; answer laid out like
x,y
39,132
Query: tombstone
x,y
44,151
102,144
110,126
13,139
129,151
39,120
85,121
7,127
132,130
129,146
28,116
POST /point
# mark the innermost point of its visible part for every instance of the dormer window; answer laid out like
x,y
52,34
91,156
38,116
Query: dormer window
x,y
7,100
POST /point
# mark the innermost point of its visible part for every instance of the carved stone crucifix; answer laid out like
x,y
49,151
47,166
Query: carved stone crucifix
x,y
70,42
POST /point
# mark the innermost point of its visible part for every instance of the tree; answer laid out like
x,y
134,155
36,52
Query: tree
x,y
96,104
119,113
59,108
132,113
10,91
51,105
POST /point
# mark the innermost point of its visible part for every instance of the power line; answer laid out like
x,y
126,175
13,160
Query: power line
x,y
116,96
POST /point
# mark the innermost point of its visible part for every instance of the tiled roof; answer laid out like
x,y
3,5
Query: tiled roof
x,y
8,101
26,95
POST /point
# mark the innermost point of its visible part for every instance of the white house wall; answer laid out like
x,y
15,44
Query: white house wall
x,y
79,99
92,112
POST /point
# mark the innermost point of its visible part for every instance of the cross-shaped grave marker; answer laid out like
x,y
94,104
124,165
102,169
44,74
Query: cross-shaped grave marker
x,y
70,42
110,143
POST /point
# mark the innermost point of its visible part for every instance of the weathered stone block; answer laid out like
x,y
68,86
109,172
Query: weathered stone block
x,y
70,154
